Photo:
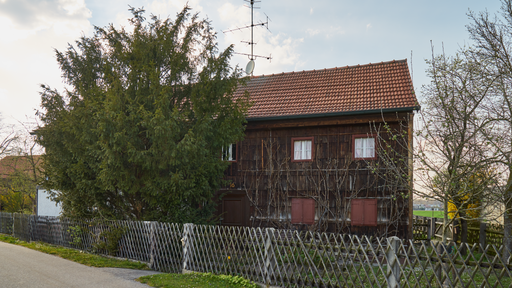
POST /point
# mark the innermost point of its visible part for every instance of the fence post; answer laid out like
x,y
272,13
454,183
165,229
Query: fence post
x,y
464,236
433,223
48,230
483,242
393,263
268,268
455,231
187,241
31,229
152,245
13,226
429,229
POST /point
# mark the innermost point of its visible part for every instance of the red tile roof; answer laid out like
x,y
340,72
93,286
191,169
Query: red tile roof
x,y
385,85
12,164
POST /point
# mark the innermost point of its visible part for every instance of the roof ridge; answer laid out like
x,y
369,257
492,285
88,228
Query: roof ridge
x,y
334,68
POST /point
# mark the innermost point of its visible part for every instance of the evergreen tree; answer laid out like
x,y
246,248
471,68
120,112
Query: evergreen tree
x,y
139,131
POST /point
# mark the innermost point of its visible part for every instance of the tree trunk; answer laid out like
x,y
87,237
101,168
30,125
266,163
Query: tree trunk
x,y
445,220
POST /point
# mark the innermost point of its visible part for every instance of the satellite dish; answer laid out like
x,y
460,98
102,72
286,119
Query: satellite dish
x,y
250,67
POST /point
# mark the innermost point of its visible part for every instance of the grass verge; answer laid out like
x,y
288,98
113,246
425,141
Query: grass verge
x,y
196,280
76,255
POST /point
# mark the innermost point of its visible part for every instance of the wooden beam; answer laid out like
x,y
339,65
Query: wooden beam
x,y
326,121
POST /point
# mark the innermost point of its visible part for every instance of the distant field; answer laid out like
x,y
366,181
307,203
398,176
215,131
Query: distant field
x,y
422,213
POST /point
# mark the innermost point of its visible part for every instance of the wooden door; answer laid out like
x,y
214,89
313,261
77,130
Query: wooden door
x,y
235,210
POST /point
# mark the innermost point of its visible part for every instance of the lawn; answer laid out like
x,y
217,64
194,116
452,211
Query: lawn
x,y
423,213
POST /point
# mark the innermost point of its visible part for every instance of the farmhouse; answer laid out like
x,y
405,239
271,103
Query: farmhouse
x,y
325,150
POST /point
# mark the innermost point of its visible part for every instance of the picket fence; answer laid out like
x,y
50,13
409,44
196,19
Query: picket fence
x,y
284,258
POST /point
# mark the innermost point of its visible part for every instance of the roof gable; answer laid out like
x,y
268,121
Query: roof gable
x,y
370,87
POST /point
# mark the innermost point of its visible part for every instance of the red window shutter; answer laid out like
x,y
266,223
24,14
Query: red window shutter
x,y
357,212
296,210
370,212
308,209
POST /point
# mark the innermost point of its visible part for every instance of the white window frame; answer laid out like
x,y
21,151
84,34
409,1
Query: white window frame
x,y
364,147
302,149
230,155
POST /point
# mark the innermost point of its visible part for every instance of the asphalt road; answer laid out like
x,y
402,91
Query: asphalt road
x,y
23,267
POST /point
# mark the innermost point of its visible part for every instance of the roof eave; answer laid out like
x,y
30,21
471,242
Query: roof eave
x,y
346,113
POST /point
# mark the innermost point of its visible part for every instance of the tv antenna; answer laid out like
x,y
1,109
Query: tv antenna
x,y
250,66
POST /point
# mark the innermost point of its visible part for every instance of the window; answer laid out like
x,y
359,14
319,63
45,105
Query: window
x,y
229,153
364,147
303,211
302,149
363,212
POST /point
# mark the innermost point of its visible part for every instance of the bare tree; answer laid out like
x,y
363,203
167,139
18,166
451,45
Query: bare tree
x,y
7,136
394,170
21,172
450,149
493,37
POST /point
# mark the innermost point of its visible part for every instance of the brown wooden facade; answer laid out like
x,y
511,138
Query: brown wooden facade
x,y
265,179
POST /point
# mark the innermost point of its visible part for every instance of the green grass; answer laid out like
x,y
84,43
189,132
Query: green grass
x,y
196,280
76,255
422,213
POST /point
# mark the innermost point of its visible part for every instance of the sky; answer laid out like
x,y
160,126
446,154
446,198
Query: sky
x,y
301,35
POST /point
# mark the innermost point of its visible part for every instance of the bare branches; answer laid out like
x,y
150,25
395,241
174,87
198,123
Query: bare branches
x,y
8,137
493,37
332,179
455,162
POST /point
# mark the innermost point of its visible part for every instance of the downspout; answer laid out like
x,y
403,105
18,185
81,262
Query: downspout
x,y
269,176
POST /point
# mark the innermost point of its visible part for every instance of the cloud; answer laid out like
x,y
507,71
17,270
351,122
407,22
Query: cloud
x,y
312,32
33,29
173,5
368,26
236,16
334,31
36,14
311,11
282,47
328,32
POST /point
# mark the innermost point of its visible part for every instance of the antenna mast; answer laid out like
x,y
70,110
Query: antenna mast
x,y
252,29
250,66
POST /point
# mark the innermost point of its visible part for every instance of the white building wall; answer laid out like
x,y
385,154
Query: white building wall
x,y
45,206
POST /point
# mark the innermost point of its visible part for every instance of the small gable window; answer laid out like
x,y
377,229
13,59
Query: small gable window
x,y
364,147
302,149
229,153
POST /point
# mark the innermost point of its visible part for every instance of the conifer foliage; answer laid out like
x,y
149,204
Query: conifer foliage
x,y
139,130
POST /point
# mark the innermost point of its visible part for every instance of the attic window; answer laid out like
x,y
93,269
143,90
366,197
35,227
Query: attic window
x,y
302,149
363,147
229,153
